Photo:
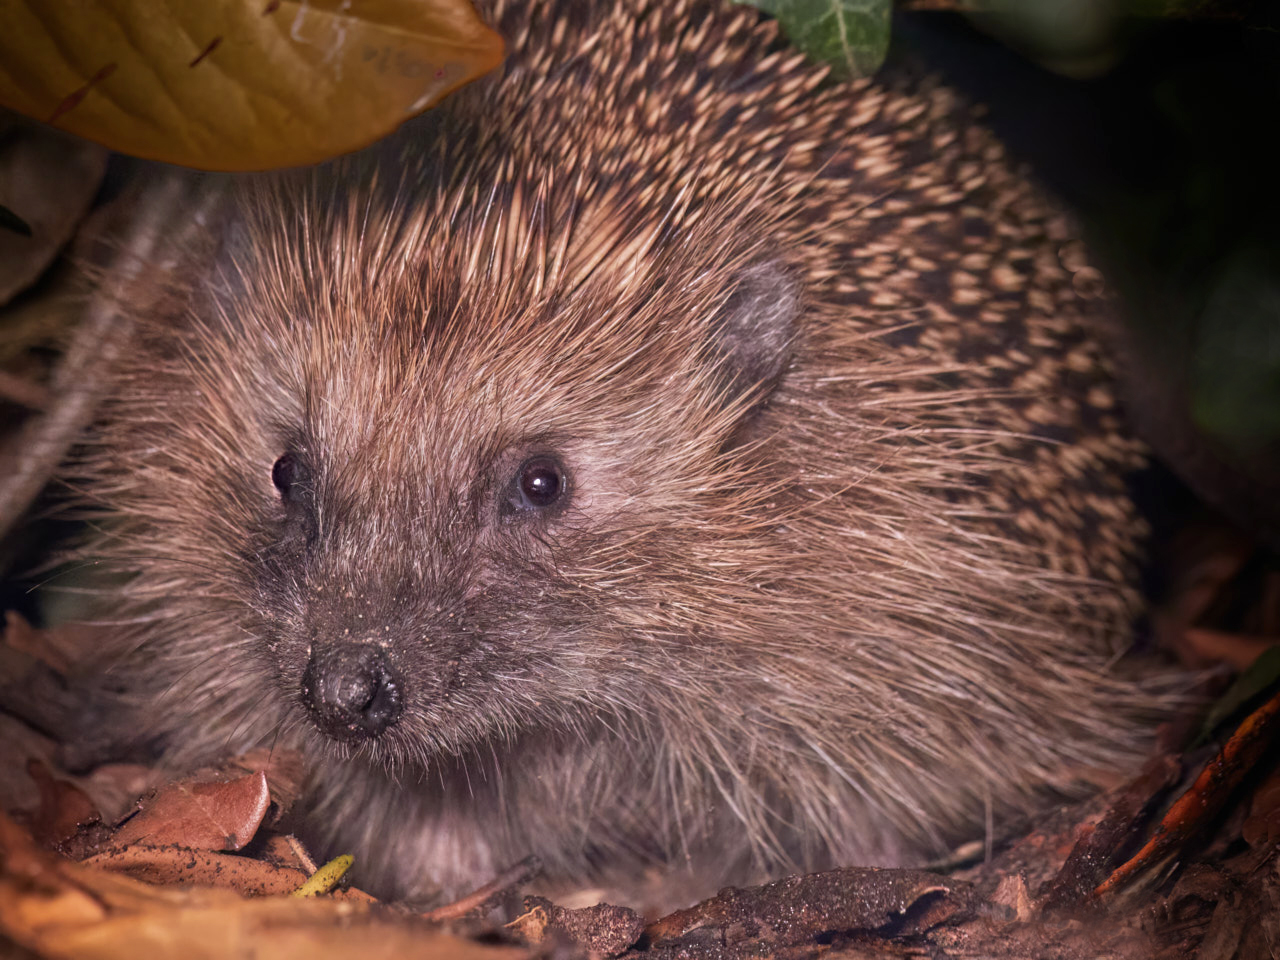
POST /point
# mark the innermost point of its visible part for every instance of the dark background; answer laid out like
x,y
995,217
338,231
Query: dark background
x,y
1161,134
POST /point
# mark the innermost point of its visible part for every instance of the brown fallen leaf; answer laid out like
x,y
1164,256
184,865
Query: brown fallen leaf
x,y
34,692
54,908
181,865
799,909
1261,829
64,807
602,931
200,815
284,770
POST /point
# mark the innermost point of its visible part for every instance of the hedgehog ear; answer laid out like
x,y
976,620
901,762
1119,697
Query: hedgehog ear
x,y
752,335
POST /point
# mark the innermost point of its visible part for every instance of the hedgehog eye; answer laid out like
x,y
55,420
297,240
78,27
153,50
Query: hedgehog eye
x,y
286,473
539,483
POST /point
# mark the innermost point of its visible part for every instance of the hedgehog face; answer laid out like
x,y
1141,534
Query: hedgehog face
x,y
438,568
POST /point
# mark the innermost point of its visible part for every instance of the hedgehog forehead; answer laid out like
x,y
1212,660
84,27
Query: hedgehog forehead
x,y
405,337
475,386
598,381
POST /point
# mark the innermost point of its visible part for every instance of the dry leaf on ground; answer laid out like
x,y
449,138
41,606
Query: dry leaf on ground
x,y
200,815
64,808
799,909
603,930
58,909
175,865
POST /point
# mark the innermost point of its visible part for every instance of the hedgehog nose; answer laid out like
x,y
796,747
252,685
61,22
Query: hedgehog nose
x,y
352,691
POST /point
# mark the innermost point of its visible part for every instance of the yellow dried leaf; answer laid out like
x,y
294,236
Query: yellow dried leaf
x,y
326,878
237,84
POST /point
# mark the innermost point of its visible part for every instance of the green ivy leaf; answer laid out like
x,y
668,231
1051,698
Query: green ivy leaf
x,y
1262,676
851,36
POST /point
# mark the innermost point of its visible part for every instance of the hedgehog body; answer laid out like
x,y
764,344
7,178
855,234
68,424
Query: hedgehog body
x,y
653,458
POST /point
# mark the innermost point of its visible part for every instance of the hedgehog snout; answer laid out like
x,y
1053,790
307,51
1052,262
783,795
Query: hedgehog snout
x,y
352,691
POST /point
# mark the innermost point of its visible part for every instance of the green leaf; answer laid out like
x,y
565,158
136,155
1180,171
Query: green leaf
x,y
11,221
851,36
1261,676
1234,363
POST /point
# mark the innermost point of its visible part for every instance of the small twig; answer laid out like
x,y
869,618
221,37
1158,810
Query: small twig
x,y
1206,796
1096,852
300,852
522,872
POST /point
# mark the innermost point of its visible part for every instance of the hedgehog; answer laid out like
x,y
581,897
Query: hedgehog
x,y
659,459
